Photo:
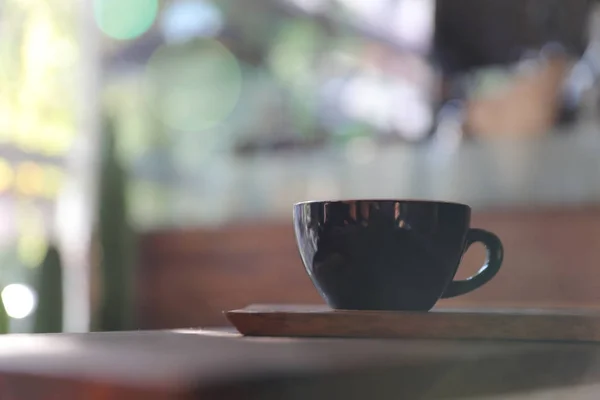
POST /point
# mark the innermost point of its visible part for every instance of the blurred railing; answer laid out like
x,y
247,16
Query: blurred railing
x,y
558,169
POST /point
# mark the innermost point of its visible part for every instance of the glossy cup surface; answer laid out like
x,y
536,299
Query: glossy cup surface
x,y
381,254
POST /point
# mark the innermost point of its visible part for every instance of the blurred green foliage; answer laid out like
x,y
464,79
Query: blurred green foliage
x,y
116,240
49,313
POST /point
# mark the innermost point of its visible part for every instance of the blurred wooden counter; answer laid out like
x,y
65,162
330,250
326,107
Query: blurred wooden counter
x,y
169,365
187,278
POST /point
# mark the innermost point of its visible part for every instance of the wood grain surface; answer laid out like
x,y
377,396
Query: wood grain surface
x,y
521,324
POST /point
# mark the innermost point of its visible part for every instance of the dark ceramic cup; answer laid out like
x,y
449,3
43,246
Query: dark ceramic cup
x,y
389,254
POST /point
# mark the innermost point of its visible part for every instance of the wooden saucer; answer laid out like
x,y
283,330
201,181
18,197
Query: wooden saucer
x,y
493,324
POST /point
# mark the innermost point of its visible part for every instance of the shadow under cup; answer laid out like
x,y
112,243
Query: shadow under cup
x,y
389,254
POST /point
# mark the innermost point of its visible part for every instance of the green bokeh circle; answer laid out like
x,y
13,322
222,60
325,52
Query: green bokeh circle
x,y
193,87
125,19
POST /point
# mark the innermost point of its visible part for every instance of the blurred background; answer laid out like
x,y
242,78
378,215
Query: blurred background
x,y
150,151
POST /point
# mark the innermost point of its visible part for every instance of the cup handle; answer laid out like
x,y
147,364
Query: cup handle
x,y
495,253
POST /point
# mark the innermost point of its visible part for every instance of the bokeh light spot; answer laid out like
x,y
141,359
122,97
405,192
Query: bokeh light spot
x,y
6,175
55,141
32,249
19,300
30,179
295,47
125,19
186,19
54,178
193,88
32,243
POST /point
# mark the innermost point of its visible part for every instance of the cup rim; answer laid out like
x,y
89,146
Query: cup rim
x,y
413,201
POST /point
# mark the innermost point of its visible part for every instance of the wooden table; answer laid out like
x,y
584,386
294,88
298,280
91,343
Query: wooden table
x,y
163,365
